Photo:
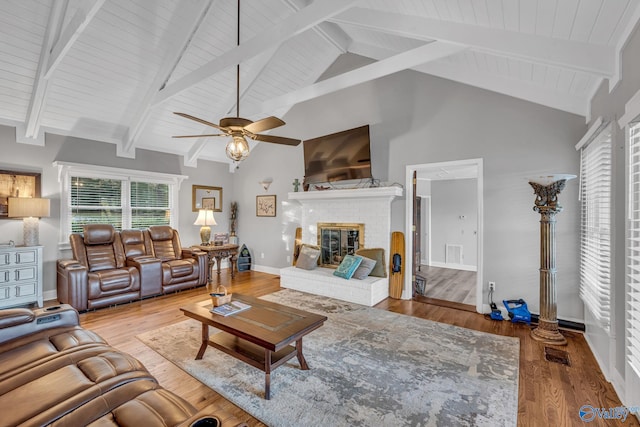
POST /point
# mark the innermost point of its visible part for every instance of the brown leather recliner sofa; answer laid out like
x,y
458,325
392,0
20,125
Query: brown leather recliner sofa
x,y
53,372
111,267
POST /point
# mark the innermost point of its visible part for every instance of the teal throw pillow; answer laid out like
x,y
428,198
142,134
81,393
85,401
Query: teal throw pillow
x,y
348,266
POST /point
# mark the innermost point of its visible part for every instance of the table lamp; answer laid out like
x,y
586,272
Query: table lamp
x,y
205,219
29,209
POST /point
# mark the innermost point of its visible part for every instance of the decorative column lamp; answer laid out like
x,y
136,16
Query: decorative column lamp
x,y
205,219
29,209
546,189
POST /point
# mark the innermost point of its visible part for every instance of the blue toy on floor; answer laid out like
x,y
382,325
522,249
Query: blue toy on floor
x,y
518,311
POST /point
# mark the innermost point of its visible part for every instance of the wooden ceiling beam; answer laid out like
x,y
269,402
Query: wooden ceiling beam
x,y
402,61
588,58
310,16
174,52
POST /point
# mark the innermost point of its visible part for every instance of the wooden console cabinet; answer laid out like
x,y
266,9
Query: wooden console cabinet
x,y
20,276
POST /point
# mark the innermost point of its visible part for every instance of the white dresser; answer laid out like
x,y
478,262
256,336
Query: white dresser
x,y
20,276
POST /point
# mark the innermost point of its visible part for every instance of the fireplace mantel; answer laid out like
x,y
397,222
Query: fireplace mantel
x,y
356,193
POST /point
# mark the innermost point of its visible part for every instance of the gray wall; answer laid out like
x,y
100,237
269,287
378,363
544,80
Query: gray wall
x,y
451,199
21,157
424,120
609,347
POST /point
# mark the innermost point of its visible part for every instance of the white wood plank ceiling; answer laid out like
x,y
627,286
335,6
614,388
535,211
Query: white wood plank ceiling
x,y
115,70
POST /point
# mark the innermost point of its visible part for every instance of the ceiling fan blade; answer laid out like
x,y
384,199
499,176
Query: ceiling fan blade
x,y
204,122
276,139
264,124
200,136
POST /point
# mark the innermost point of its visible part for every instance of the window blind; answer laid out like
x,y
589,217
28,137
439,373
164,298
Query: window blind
x,y
633,249
95,201
150,204
595,238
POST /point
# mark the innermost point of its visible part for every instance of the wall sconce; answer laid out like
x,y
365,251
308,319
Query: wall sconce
x,y
205,219
266,183
29,209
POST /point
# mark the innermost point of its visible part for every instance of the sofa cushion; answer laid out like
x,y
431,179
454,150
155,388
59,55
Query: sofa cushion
x,y
99,234
111,280
181,267
348,266
101,257
365,268
380,270
161,232
133,242
308,258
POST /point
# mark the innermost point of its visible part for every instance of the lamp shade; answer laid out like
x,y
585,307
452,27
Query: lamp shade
x,y
24,207
238,148
205,217
546,180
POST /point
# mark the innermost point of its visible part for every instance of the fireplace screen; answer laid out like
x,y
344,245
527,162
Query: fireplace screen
x,y
337,240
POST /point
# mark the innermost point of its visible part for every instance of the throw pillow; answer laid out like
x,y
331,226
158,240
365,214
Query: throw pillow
x,y
365,268
308,258
348,266
380,270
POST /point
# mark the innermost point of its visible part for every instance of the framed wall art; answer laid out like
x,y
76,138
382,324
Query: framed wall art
x,y
203,197
17,184
266,205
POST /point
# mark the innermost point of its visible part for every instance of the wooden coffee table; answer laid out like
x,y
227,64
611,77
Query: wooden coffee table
x,y
260,336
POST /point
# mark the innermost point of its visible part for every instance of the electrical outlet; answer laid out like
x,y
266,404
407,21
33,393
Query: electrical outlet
x,y
492,286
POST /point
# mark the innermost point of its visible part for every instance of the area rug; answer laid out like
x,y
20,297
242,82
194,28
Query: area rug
x,y
369,367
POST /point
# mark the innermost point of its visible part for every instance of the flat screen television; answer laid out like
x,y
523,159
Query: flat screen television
x,y
340,156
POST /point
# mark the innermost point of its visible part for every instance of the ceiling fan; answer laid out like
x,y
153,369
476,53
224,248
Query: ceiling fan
x,y
238,128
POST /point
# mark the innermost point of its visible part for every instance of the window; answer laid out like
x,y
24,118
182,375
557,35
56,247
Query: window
x,y
595,234
150,204
120,197
633,248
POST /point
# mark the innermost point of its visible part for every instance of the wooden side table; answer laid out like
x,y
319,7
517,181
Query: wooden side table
x,y
216,254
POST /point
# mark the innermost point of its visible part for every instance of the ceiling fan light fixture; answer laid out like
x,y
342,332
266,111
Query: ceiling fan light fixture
x,y
238,148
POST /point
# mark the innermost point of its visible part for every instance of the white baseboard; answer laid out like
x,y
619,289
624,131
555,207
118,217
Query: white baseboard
x,y
454,266
266,269
50,295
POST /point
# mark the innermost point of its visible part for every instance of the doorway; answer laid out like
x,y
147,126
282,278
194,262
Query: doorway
x,y
451,258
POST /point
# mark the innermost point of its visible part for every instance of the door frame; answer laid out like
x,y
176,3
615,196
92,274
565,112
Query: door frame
x,y
410,169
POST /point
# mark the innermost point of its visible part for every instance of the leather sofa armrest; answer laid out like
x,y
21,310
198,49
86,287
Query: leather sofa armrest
x,y
205,418
40,319
72,283
150,270
15,316
203,262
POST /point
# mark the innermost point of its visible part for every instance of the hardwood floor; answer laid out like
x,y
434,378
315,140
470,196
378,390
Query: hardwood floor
x,y
450,285
550,394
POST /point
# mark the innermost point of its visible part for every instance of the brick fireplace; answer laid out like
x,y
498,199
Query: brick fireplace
x,y
368,206
370,210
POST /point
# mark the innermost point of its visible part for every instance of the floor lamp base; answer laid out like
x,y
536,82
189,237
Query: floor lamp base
x,y
547,332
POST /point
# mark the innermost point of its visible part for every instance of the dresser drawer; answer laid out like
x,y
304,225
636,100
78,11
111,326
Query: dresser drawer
x,y
26,289
18,274
19,257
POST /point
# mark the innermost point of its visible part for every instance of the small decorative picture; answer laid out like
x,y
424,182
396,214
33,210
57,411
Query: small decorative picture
x,y
266,205
209,203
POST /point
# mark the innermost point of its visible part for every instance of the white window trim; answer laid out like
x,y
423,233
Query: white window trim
x,y
67,169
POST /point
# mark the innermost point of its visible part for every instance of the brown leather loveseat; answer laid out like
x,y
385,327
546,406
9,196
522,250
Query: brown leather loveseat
x,y
111,267
53,372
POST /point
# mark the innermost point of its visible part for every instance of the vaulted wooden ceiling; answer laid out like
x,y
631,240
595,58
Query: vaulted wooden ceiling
x,y
115,70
